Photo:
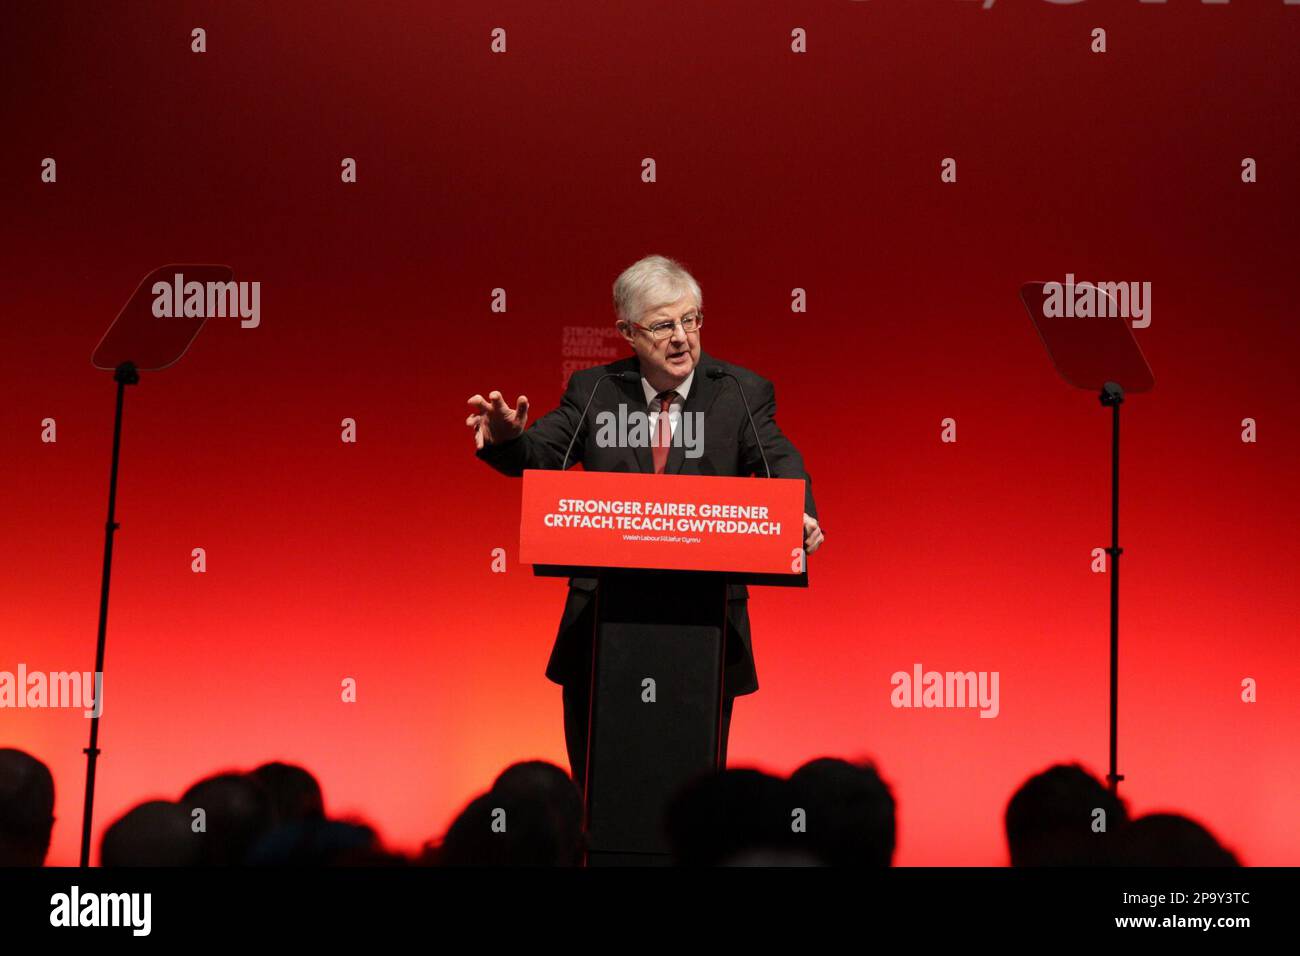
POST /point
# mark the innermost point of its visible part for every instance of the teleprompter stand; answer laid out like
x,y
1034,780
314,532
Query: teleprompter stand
x,y
1096,352
137,340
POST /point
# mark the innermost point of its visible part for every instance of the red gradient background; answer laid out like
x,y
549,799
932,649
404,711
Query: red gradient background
x,y
775,170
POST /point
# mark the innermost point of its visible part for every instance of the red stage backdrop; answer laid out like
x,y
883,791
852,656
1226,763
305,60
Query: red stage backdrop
x,y
775,171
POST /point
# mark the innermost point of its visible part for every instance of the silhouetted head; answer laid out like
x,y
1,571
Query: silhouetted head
x,y
850,812
293,792
502,829
1169,839
551,787
720,815
236,813
26,809
321,842
156,833
1052,820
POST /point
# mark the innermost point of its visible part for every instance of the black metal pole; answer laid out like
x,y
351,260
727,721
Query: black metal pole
x,y
125,374
1113,396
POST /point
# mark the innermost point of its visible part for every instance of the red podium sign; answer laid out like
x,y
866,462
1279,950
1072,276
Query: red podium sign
x,y
682,522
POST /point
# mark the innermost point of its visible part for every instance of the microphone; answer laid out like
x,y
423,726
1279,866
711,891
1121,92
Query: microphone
x,y
622,377
715,372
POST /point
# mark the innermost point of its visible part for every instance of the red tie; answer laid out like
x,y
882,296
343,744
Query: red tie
x,y
664,432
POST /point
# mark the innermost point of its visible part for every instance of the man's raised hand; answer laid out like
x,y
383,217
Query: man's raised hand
x,y
494,421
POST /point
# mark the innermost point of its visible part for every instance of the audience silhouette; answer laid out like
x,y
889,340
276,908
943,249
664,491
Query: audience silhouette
x,y
828,812
321,842
502,829
850,812
718,816
1063,816
550,786
1169,839
294,793
26,809
155,833
235,812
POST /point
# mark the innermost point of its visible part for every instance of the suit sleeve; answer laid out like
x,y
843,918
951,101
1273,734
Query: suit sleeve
x,y
782,457
543,444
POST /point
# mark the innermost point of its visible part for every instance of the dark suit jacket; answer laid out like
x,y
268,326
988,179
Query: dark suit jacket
x,y
728,449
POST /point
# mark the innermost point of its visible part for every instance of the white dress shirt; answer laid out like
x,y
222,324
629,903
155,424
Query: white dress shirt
x,y
674,410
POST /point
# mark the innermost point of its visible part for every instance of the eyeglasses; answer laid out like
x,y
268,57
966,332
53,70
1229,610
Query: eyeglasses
x,y
691,322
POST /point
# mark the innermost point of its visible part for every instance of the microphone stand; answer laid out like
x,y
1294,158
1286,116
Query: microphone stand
x,y
622,377
716,372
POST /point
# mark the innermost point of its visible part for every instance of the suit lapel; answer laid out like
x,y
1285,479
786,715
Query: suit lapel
x,y
634,396
700,398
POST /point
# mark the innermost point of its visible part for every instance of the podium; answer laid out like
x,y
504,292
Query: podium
x,y
663,551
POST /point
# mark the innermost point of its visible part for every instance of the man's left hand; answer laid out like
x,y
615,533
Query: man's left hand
x,y
812,534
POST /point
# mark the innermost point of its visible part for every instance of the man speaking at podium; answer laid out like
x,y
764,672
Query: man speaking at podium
x,y
659,311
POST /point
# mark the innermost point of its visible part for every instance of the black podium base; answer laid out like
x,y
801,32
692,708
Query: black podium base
x,y
656,706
